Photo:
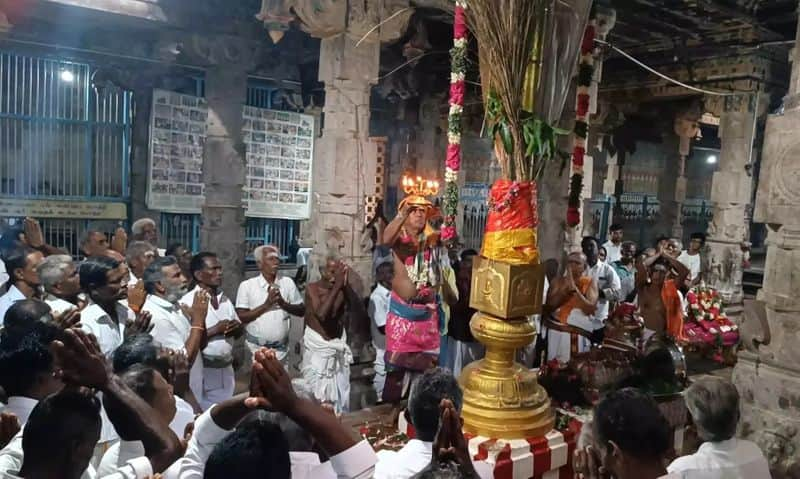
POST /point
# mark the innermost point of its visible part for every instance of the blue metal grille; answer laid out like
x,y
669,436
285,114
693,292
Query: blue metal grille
x,y
181,228
281,233
59,138
67,233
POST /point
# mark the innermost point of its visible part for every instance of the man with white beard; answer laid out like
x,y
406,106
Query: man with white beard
x,y
175,326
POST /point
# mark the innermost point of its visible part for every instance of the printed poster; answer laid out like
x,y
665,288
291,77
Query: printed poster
x,y
280,149
177,138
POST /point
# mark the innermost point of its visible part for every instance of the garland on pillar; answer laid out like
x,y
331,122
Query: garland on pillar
x,y
458,69
581,130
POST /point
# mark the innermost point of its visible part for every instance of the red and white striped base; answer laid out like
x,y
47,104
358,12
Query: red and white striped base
x,y
547,457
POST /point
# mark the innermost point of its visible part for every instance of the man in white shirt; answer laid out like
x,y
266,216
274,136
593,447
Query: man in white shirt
x,y
426,395
265,303
145,229
215,450
105,281
21,262
150,385
714,405
61,282
107,316
140,349
59,437
607,280
378,309
614,244
691,257
177,327
222,324
139,255
27,373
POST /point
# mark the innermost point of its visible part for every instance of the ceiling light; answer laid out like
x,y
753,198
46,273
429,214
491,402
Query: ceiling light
x,y
67,76
711,159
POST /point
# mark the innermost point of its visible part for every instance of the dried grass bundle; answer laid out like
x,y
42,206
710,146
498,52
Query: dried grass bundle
x,y
510,36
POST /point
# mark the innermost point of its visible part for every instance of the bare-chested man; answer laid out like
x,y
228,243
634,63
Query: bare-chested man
x,y
326,355
660,303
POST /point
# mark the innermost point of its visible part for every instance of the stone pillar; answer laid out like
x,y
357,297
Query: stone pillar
x,y
224,168
731,193
767,372
668,207
345,158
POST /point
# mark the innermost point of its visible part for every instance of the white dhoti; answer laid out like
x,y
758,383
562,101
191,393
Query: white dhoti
x,y
380,372
326,368
218,383
559,343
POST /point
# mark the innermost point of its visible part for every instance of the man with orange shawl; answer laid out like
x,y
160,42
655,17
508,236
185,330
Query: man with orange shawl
x,y
660,302
573,298
423,279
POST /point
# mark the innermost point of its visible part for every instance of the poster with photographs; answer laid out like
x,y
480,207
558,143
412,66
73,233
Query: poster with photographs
x,y
280,148
177,138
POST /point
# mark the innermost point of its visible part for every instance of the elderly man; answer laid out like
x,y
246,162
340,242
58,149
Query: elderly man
x,y
326,355
462,347
573,298
139,255
21,263
265,303
176,326
222,324
59,276
145,229
714,405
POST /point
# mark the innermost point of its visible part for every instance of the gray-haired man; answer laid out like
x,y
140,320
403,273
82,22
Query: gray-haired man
x,y
59,276
714,405
265,303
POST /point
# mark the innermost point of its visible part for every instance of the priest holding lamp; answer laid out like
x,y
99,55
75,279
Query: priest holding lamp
x,y
423,283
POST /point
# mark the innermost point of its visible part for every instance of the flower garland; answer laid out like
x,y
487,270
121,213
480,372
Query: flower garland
x,y
458,68
581,130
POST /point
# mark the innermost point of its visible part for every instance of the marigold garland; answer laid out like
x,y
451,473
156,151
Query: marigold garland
x,y
458,69
581,129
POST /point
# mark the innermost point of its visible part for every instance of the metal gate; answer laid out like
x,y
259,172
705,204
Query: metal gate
x,y
59,137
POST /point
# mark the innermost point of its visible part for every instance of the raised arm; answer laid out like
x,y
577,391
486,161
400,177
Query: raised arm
x,y
680,268
197,333
393,229
273,390
81,363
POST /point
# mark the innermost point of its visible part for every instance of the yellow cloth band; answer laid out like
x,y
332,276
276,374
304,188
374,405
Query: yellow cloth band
x,y
512,246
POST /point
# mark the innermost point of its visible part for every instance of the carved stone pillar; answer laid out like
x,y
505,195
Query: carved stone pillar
x,y
731,193
345,158
686,127
768,372
222,230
